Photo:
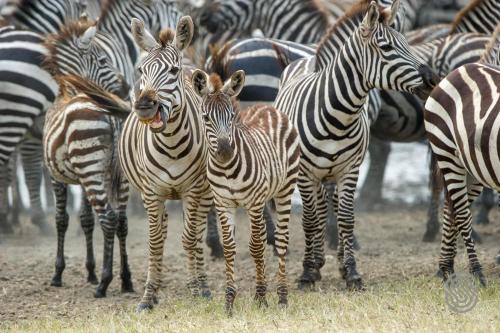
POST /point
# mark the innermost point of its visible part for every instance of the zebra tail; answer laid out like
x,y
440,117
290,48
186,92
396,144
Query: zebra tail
x,y
437,177
116,170
113,104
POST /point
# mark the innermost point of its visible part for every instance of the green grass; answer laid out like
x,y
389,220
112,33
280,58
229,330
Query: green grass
x,y
413,305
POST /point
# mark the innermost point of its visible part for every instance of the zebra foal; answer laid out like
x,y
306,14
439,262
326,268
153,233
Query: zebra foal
x,y
253,158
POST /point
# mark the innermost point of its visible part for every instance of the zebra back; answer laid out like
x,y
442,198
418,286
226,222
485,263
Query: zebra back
x,y
491,54
478,16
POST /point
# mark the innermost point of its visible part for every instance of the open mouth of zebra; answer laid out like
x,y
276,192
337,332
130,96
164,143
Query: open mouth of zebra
x,y
157,122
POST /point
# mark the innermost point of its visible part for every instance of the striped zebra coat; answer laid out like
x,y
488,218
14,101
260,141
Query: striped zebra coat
x,y
323,98
80,135
460,121
163,152
253,158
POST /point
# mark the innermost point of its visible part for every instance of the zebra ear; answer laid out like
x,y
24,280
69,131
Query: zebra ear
x,y
85,40
200,82
370,20
392,13
233,86
142,37
184,32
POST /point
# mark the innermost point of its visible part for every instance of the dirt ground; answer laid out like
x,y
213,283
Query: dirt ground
x,y
392,250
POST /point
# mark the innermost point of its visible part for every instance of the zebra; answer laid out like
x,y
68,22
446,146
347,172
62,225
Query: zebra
x,y
253,157
163,153
478,16
332,126
80,134
459,120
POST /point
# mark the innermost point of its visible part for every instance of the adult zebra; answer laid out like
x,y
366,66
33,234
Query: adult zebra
x,y
460,121
332,127
163,152
253,158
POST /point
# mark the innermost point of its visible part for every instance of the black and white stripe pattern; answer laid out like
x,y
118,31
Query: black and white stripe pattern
x,y
324,103
479,16
80,137
253,158
163,152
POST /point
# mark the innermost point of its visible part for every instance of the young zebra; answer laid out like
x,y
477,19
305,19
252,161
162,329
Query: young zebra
x,y
163,152
323,98
253,158
80,134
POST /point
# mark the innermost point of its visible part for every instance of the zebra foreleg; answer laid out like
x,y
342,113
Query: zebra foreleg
x,y
346,190
257,248
283,208
213,241
62,218
158,222
435,183
227,225
308,193
87,222
487,201
121,233
107,219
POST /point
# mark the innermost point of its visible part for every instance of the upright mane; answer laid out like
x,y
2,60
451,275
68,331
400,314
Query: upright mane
x,y
67,33
106,7
463,13
491,53
217,55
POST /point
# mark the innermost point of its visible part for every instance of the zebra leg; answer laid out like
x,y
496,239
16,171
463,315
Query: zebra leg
x,y
331,225
283,208
195,213
370,194
158,221
487,201
346,190
121,233
270,228
87,222
62,219
5,226
49,192
213,240
319,238
107,219
448,242
228,241
257,248
310,223
31,155
435,183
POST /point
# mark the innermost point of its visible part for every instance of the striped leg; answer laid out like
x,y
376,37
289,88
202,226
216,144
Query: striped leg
x,y
283,210
331,226
213,240
310,224
107,219
432,226
227,225
5,227
346,189
121,233
87,222
319,241
448,242
158,221
257,248
195,213
62,219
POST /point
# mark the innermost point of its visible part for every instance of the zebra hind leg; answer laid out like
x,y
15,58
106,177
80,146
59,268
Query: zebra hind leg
x,y
213,240
62,219
487,201
107,219
121,233
227,225
204,206
87,222
257,249
283,209
435,182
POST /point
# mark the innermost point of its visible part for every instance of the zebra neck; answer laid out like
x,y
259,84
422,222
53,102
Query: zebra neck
x,y
345,85
479,16
176,129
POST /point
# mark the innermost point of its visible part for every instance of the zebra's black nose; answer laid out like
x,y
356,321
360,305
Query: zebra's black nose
x,y
428,76
224,150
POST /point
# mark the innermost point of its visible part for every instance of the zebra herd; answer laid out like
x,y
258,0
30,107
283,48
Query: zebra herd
x,y
123,100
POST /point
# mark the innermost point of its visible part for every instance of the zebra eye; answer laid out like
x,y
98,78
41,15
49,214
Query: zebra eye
x,y
386,47
174,70
102,60
205,117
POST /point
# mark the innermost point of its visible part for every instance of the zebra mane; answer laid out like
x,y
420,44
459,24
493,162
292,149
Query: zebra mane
x,y
491,53
166,36
67,33
356,11
217,55
463,13
73,84
215,82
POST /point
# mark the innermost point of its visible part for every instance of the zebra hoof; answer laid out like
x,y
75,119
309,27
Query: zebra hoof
x,y
261,301
283,302
305,285
205,293
100,293
155,299
429,236
127,286
497,260
355,283
439,274
92,279
229,309
143,307
481,278
343,272
56,282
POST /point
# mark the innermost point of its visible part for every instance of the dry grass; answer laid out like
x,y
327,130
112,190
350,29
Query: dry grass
x,y
414,305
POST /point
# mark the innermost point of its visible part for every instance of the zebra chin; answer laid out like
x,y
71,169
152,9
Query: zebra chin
x,y
429,78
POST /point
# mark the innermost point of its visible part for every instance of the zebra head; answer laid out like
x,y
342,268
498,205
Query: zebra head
x,y
387,60
160,91
74,50
220,16
218,110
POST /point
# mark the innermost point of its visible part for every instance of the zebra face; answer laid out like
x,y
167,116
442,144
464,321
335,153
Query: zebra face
x,y
218,110
160,92
388,62
228,15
